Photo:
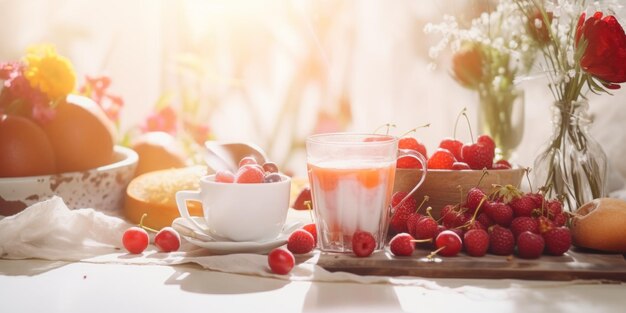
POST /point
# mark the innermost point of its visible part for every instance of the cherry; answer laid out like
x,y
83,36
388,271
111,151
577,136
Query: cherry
x,y
135,240
302,199
224,176
448,243
167,239
281,261
270,167
247,160
272,178
363,243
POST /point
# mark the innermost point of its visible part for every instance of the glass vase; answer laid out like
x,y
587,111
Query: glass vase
x,y
572,164
501,116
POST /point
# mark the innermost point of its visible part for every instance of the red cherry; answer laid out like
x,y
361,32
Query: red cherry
x,y
247,160
302,199
167,239
449,242
280,261
135,240
224,176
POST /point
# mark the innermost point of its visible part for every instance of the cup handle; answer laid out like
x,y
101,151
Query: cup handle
x,y
420,158
181,203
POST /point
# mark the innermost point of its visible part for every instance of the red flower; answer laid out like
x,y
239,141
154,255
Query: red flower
x,y
604,44
467,65
162,120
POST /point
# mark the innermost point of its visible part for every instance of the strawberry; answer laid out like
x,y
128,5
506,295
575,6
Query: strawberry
x,y
476,242
363,243
442,159
523,206
412,144
501,240
473,199
558,240
500,213
426,228
311,228
529,245
477,156
402,245
300,241
460,166
452,145
522,224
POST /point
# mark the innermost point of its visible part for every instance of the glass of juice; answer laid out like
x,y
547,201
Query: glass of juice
x,y
351,177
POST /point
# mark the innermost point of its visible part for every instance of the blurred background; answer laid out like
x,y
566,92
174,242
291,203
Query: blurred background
x,y
273,72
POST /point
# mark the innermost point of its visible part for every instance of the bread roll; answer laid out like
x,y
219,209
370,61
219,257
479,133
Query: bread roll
x,y
601,225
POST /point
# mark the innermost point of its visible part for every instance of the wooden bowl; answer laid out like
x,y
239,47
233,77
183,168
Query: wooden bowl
x,y
442,186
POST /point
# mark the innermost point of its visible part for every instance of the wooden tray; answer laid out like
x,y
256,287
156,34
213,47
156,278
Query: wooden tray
x,y
572,265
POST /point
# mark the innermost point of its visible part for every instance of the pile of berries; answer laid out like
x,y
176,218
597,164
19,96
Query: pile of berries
x,y
503,223
452,154
250,172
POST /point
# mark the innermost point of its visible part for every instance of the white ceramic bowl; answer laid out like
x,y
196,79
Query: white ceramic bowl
x,y
102,188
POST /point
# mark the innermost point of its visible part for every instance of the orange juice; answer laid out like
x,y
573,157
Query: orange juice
x,y
350,196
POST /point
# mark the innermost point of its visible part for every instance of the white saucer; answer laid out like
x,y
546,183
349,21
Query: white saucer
x,y
220,246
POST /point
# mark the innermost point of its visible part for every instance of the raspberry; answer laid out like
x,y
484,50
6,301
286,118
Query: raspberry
x,y
412,144
484,219
224,176
560,219
522,224
475,224
538,199
473,199
411,222
312,229
447,212
554,208
529,245
426,228
302,199
523,206
501,240
442,159
402,245
500,213
477,156
363,244
449,242
280,261
545,224
558,240
476,242
300,241
249,174
407,161
452,145
460,166
487,141
458,231
498,166
462,219
398,222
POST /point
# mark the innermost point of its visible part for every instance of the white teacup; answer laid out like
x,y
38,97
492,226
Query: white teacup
x,y
239,212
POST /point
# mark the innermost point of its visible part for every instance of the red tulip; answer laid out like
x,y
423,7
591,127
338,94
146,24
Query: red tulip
x,y
604,44
467,65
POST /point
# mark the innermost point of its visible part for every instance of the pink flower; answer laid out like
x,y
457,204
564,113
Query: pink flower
x,y
162,120
96,88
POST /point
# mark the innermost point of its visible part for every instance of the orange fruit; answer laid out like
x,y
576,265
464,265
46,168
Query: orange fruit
x,y
154,194
81,135
24,148
157,151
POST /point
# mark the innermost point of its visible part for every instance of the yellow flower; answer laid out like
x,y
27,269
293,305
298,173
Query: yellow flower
x,y
49,72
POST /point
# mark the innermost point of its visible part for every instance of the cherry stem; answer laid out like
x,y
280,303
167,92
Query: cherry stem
x,y
432,254
485,173
388,125
308,205
141,225
422,240
469,125
527,172
458,117
415,129
428,212
426,198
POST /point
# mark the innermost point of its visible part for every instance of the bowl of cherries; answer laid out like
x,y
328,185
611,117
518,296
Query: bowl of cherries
x,y
454,167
